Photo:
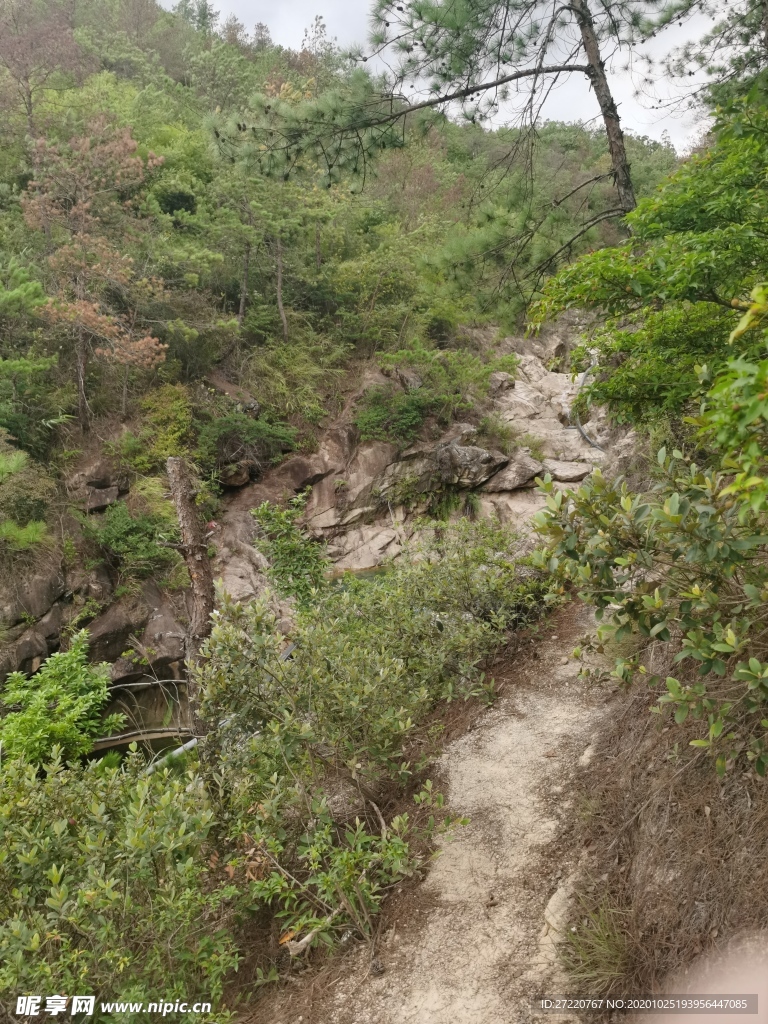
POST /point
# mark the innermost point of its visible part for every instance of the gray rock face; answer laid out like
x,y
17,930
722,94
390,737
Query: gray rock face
x,y
98,498
567,472
520,470
97,484
467,465
32,596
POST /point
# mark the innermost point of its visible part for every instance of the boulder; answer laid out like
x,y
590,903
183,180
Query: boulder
x,y
458,433
369,462
99,474
567,472
111,631
365,547
517,473
498,382
237,475
31,650
98,498
467,465
31,596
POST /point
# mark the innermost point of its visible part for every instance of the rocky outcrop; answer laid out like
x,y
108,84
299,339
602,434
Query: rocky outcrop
x,y
366,496
521,470
97,484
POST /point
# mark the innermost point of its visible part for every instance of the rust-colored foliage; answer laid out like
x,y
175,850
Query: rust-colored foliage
x,y
84,197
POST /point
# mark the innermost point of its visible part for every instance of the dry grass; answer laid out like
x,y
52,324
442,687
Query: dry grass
x,y
676,859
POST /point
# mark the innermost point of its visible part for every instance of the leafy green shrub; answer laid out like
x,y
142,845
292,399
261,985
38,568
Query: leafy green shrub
x,y
167,429
25,496
237,438
647,368
684,566
134,542
58,706
442,383
494,432
389,414
297,565
310,742
106,885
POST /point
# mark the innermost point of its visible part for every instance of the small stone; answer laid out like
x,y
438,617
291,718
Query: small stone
x,y
564,661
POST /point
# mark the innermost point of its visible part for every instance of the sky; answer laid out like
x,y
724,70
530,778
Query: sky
x,y
347,20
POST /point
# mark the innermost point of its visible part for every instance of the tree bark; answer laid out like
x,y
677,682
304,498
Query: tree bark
x,y
281,308
195,551
611,120
244,285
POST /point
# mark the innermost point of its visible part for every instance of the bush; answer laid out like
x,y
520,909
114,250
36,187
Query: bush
x,y
59,706
134,542
438,383
167,429
683,566
297,566
106,885
238,438
308,744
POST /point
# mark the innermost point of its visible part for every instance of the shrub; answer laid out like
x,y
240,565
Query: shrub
x,y
167,429
25,494
106,885
238,438
389,414
684,565
441,383
308,743
59,706
134,542
297,566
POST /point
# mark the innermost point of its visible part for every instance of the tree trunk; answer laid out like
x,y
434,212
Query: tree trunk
x,y
195,552
611,120
318,253
244,285
764,22
280,305
83,413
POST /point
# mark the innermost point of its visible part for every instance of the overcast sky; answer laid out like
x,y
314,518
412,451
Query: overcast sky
x,y
347,20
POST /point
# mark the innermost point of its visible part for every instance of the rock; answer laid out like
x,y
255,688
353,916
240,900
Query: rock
x,y
458,433
238,474
110,632
31,650
416,472
567,472
467,465
50,624
98,498
32,596
99,474
366,547
517,473
369,462
409,380
500,381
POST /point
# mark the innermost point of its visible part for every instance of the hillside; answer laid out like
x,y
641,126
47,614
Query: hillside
x,y
370,498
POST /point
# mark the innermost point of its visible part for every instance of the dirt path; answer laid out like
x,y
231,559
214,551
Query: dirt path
x,y
474,943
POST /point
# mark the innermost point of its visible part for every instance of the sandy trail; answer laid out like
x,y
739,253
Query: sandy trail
x,y
474,943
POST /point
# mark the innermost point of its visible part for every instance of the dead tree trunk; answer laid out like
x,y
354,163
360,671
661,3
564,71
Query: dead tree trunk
x,y
195,551
611,120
